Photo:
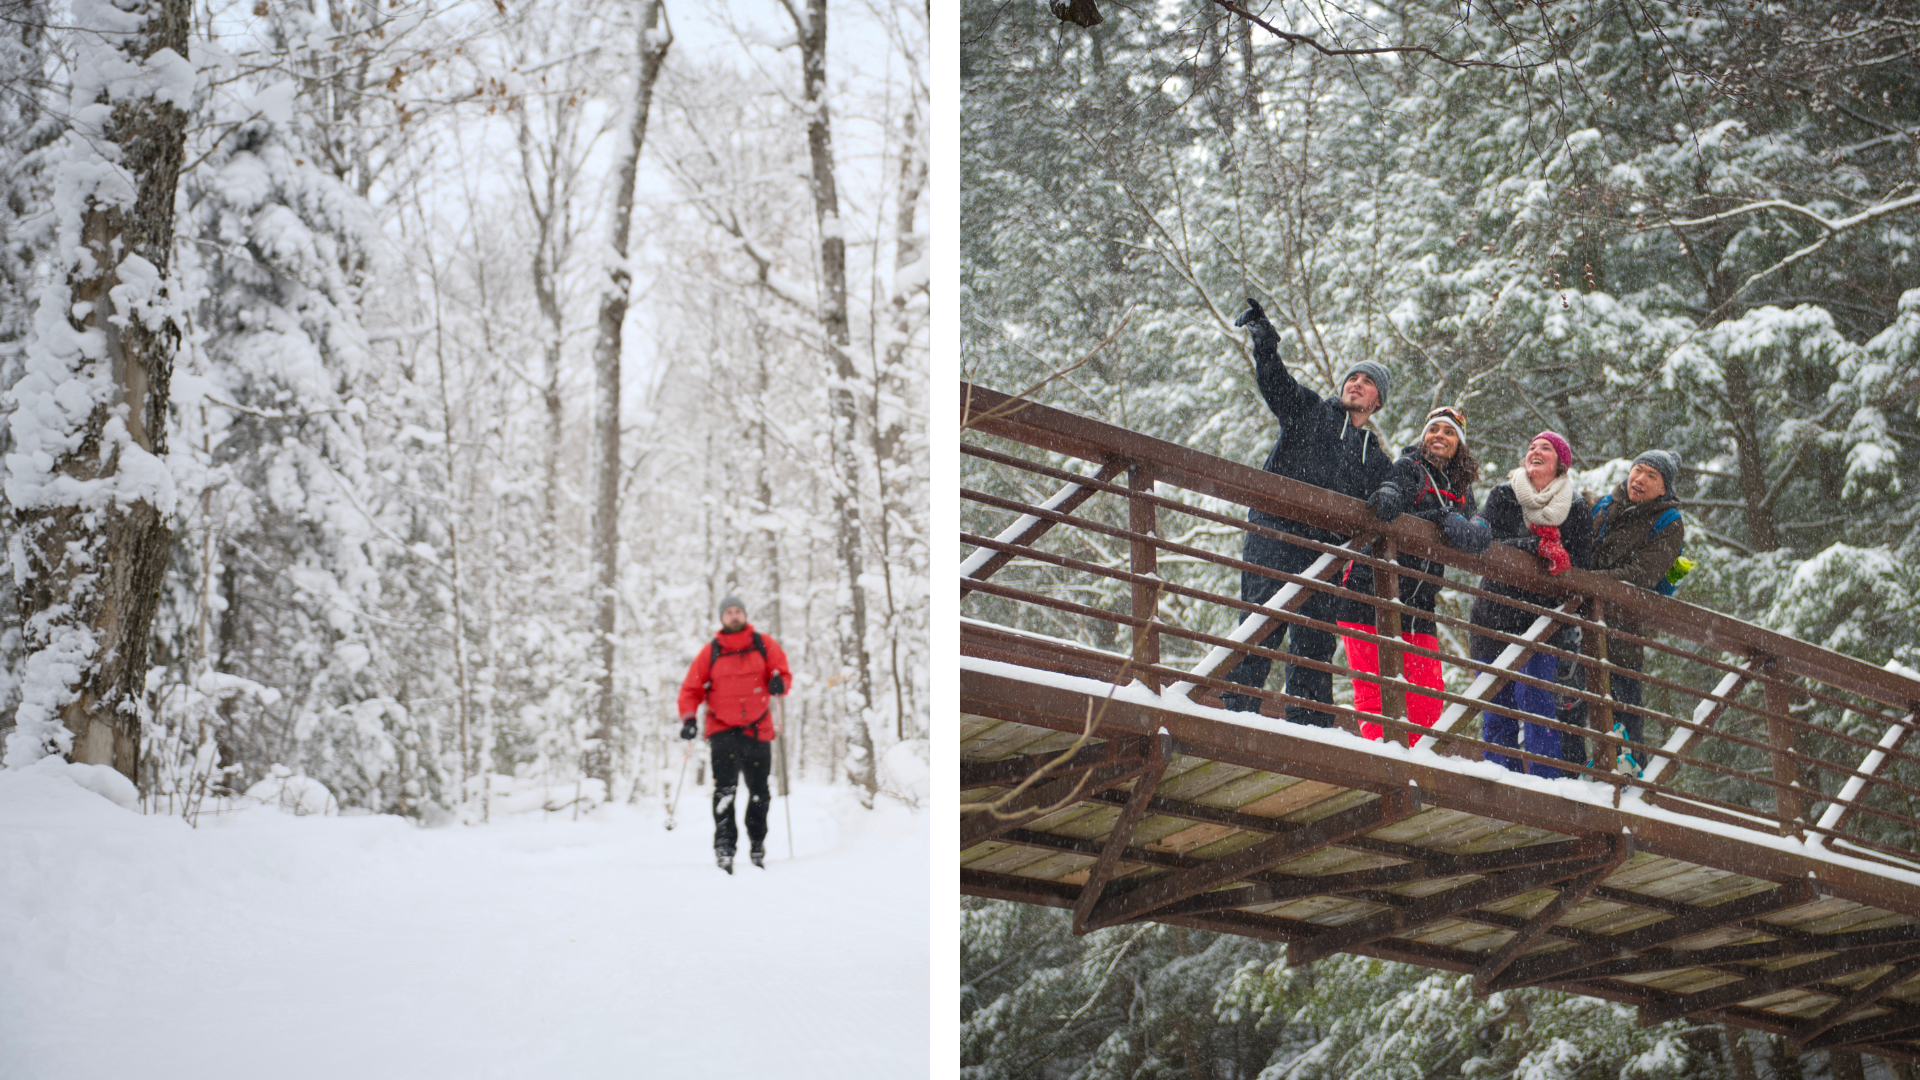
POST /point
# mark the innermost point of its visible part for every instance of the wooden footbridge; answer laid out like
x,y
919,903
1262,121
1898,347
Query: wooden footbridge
x,y
1763,872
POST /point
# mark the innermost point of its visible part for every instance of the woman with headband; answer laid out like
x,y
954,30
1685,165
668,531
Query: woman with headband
x,y
1433,479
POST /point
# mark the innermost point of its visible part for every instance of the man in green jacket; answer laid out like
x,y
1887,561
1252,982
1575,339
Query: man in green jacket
x,y
1637,536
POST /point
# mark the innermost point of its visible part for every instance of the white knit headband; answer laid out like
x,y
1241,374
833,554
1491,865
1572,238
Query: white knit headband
x,y
1443,420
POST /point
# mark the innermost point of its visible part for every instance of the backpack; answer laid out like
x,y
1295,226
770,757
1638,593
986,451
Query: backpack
x,y
1682,566
753,646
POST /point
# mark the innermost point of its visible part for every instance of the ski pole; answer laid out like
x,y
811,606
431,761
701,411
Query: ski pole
x,y
685,757
786,786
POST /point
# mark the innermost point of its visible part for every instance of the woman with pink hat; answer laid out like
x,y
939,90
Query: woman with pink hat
x,y
1533,512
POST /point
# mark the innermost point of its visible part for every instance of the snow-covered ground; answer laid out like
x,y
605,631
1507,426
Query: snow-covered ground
x,y
265,944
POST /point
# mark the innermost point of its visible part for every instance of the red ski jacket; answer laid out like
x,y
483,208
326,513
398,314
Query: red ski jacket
x,y
734,685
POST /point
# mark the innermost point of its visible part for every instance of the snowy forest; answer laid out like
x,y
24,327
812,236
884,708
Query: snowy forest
x,y
462,356
1638,223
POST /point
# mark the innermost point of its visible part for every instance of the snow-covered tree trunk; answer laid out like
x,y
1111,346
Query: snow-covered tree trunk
x,y
810,25
87,485
654,41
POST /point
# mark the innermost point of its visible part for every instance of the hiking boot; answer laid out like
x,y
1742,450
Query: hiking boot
x,y
1628,763
759,855
725,859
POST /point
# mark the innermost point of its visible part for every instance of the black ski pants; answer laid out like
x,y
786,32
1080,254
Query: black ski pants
x,y
737,755
1311,642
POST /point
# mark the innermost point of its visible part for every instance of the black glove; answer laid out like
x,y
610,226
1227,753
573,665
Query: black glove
x,y
776,685
1529,544
1385,503
1472,537
1252,314
688,726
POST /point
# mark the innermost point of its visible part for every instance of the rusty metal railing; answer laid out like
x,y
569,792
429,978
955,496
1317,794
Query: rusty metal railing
x,y
1102,552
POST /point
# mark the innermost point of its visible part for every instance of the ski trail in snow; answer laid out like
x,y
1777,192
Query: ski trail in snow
x,y
311,947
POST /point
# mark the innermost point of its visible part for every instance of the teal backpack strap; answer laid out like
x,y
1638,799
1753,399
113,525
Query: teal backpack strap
x,y
1671,583
1600,511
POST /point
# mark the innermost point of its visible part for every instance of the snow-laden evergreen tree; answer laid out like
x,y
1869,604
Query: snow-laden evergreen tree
x,y
280,656
28,127
1161,1001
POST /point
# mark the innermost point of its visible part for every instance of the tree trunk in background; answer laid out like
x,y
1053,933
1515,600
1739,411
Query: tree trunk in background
x,y
606,362
892,450
543,200
810,26
104,338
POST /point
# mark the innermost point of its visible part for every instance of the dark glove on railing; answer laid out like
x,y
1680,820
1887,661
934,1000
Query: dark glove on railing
x,y
776,685
688,727
1472,537
1385,502
1528,544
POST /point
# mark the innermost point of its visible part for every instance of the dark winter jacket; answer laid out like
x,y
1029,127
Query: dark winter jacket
x,y
1625,548
1317,444
1426,494
734,686
1503,515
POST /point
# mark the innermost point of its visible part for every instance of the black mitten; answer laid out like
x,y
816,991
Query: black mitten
x,y
1385,502
688,727
1252,314
776,685
1472,537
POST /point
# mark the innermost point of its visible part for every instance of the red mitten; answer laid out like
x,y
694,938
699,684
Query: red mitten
x,y
1550,548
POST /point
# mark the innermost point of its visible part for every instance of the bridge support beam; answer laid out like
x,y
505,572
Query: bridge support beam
x,y
1389,808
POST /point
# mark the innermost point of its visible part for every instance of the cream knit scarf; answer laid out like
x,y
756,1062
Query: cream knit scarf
x,y
1547,507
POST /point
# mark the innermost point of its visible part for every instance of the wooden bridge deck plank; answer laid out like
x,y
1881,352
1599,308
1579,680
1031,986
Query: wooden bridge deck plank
x,y
1646,891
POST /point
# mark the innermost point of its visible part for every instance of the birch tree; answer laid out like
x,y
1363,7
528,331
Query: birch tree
x,y
655,38
856,664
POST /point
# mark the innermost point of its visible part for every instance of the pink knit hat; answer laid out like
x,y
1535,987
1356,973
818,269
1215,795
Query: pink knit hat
x,y
1560,446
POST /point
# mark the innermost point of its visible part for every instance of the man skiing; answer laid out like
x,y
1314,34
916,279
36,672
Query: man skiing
x,y
1323,441
737,676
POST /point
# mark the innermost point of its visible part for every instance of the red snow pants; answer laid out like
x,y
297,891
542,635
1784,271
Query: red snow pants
x,y
1420,670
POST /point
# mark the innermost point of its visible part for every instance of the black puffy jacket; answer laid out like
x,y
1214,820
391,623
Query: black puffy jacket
x,y
1426,494
1317,443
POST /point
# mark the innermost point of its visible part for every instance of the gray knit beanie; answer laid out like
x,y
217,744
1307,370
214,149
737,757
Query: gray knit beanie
x,y
1372,369
1664,462
731,600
